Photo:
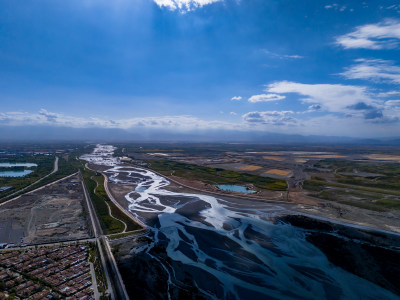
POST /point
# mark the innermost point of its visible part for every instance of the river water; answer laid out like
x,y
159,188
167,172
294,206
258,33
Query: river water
x,y
233,247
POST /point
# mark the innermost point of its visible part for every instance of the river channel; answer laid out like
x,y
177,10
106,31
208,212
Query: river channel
x,y
229,249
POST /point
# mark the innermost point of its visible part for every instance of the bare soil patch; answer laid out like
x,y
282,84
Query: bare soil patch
x,y
250,168
54,213
275,158
279,172
382,157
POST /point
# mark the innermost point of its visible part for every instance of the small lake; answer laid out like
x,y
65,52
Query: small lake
x,y
235,188
15,173
11,165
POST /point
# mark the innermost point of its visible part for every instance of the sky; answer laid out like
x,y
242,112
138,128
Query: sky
x,y
312,67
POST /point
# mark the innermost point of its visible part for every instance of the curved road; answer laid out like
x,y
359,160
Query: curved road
x,y
119,205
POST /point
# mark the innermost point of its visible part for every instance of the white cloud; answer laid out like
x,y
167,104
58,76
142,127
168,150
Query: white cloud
x,y
46,118
374,69
395,7
184,5
330,97
266,98
347,100
336,7
381,35
389,94
236,98
314,107
334,125
275,118
369,123
283,56
393,103
233,113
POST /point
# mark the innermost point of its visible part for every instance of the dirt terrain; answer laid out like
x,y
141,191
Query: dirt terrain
x,y
296,200
54,213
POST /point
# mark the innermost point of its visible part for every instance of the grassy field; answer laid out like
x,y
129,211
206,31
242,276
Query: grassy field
x,y
389,178
95,185
214,175
359,196
94,257
121,235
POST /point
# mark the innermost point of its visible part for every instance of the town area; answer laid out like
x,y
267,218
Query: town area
x,y
56,272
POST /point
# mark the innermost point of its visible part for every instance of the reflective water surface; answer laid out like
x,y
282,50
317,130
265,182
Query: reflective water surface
x,y
236,243
235,188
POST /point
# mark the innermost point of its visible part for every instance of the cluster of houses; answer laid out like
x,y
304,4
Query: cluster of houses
x,y
46,273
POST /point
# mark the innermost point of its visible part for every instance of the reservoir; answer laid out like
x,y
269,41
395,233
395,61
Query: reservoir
x,y
235,188
15,173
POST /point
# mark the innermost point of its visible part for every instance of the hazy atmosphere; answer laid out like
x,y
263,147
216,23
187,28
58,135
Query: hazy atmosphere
x,y
200,149
189,68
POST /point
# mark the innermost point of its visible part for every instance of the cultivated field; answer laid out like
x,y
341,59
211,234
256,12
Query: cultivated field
x,y
381,157
276,158
278,172
250,168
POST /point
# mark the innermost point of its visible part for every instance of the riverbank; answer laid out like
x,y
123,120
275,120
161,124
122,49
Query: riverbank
x,y
204,246
374,256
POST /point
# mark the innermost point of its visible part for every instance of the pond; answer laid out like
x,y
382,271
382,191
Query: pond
x,y
235,188
15,173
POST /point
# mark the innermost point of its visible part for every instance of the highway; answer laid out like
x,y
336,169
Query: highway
x,y
115,284
114,280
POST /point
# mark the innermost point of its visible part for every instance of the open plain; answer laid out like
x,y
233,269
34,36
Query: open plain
x,y
50,214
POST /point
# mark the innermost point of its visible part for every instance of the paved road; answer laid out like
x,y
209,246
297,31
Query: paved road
x,y
219,194
94,283
59,243
39,188
119,205
55,169
114,281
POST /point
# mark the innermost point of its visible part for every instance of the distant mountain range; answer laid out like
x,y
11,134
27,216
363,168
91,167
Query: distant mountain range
x,y
52,133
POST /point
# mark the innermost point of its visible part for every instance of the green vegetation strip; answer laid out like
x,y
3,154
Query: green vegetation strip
x,y
94,257
368,198
214,175
388,174
122,235
317,185
95,185
45,166
67,165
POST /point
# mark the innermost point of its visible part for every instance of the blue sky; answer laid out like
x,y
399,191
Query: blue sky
x,y
286,66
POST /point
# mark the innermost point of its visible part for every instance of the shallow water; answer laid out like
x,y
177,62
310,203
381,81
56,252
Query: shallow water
x,y
235,188
15,173
243,252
